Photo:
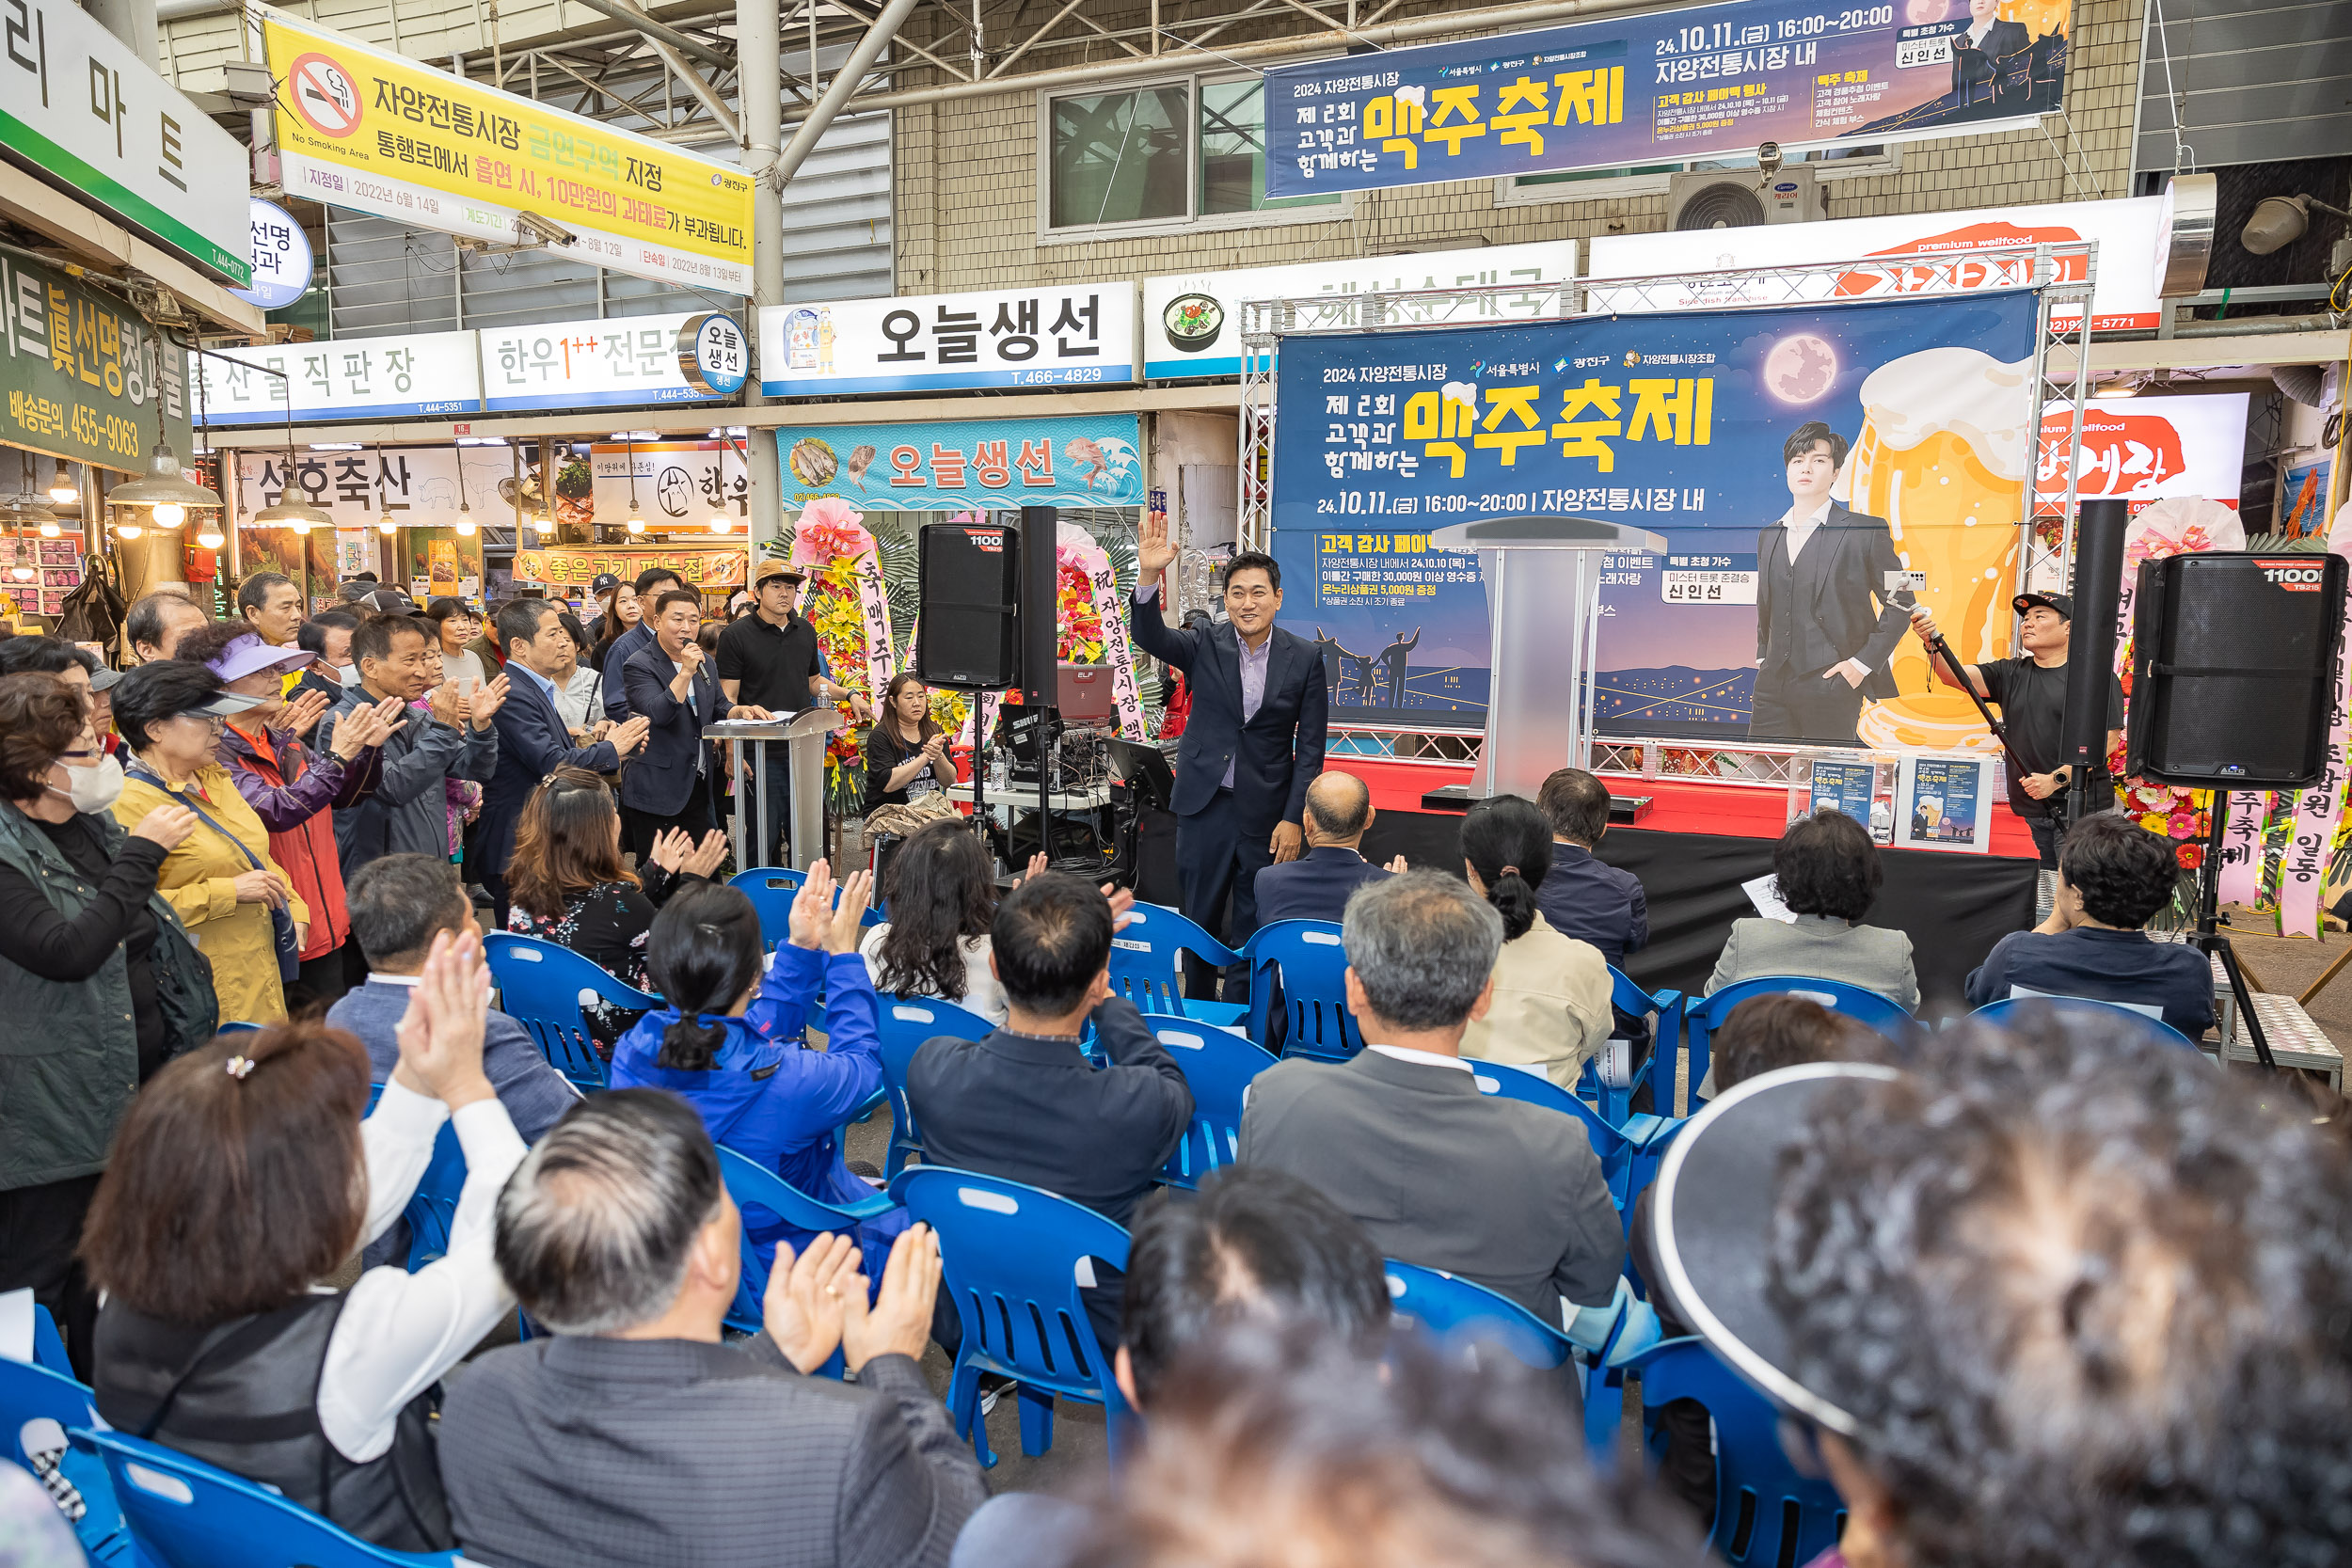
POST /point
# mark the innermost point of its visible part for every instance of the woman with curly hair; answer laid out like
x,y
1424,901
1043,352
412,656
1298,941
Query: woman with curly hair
x,y
942,898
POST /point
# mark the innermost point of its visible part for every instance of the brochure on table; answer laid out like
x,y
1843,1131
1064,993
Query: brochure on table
x,y
1862,786
1944,801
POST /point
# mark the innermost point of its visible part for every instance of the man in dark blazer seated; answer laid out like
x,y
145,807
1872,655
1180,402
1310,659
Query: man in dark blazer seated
x,y
669,684
1316,885
1025,1104
1498,1191
1253,743
1826,621
532,740
635,1433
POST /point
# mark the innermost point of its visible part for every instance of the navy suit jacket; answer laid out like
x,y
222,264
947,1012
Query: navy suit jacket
x,y
1585,898
662,777
533,743
1276,754
1314,886
625,647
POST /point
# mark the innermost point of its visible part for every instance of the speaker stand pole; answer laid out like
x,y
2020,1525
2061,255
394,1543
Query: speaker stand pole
x,y
2210,941
979,784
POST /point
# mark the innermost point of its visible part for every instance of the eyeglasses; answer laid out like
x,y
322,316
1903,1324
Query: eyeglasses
x,y
213,722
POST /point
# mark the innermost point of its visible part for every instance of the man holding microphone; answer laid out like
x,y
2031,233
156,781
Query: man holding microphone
x,y
1254,741
671,687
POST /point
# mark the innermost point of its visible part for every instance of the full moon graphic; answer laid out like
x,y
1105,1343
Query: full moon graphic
x,y
1801,368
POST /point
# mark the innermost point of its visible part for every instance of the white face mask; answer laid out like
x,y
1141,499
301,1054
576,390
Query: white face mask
x,y
93,787
344,675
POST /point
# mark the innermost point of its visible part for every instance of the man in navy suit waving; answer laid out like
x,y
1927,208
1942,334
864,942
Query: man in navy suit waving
x,y
1254,741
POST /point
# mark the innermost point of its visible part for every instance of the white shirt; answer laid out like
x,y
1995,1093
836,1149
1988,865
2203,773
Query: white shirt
x,y
1800,529
983,995
579,701
1427,1058
400,1332
1977,29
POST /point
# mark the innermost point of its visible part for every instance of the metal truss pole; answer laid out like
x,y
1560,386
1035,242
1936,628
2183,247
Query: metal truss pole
x,y
759,91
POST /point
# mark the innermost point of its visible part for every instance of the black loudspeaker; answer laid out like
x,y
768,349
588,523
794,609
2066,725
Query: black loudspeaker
x,y
2234,669
1041,624
969,579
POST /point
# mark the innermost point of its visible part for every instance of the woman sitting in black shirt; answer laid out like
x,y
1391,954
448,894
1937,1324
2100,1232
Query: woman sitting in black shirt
x,y
906,750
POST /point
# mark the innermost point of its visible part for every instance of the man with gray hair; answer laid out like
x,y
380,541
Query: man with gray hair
x,y
157,620
636,1434
1498,1191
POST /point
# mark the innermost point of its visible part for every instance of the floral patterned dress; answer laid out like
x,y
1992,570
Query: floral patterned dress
x,y
608,925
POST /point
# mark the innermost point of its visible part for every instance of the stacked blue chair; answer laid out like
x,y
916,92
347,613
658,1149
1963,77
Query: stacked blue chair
x,y
907,1022
2086,1006
1010,1254
40,1402
1703,1016
1766,1514
1616,1100
1218,1066
1305,956
184,1514
539,985
1618,1148
758,1191
1146,971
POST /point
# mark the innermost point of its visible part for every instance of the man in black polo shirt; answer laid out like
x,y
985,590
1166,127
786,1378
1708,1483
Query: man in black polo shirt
x,y
770,659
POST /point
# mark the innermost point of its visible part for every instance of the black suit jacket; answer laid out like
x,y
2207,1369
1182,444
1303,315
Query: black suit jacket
x,y
1276,754
568,1451
662,777
1314,886
533,743
1844,610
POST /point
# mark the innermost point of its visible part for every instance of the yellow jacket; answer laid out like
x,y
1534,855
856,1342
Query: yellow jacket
x,y
199,881
1550,1009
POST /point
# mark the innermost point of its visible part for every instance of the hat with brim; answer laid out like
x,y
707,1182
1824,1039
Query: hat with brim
x,y
1714,1221
2063,606
103,677
224,704
249,656
784,569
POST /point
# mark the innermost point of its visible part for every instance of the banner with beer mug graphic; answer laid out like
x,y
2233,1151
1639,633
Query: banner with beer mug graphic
x,y
1814,471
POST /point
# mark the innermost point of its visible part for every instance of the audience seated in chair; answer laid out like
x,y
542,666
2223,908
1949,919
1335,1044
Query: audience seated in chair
x,y
1501,1192
635,1434
1251,1245
242,1176
1550,1008
1828,874
1025,1103
942,896
1315,886
2052,1296
2113,875
1283,1446
1584,897
760,1091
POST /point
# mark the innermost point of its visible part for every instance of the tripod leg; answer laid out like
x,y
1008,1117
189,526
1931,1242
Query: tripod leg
x,y
2245,1005
2321,984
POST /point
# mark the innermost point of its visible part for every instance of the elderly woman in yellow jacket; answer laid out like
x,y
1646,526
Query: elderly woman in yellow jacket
x,y
220,880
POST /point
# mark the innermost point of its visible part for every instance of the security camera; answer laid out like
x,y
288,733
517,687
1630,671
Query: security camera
x,y
545,230
1768,159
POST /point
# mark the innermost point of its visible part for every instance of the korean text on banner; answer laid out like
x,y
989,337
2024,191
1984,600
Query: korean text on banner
x,y
1079,460
2147,449
720,567
364,128
421,486
1918,253
1071,335
435,372
82,111
84,371
634,360
1702,82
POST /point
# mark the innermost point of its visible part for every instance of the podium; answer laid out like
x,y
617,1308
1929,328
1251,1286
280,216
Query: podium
x,y
1543,601
804,735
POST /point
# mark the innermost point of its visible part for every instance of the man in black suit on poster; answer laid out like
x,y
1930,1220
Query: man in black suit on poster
x,y
1826,621
1254,741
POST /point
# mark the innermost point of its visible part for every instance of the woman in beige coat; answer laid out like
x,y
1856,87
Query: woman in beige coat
x,y
1550,1008
220,880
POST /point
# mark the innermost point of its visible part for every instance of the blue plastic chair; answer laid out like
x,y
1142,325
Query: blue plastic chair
x,y
754,1187
539,985
1145,969
31,1391
239,1028
1307,958
185,1513
1766,1512
2155,1028
1703,1016
1217,1066
433,1206
1618,1148
1010,1255
1459,1311
771,890
907,1022
1616,1100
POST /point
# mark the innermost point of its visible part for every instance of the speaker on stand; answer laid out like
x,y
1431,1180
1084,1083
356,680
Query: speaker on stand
x,y
969,583
2233,680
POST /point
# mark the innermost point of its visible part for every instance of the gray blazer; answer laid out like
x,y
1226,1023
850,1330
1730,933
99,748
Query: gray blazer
x,y
569,1450
1498,1191
1871,957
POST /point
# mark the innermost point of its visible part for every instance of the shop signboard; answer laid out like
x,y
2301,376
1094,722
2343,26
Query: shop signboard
x,y
368,129
676,485
83,373
1192,320
726,566
281,258
344,379
1067,335
581,364
967,465
1701,82
419,485
85,113
1901,254
2147,449
1675,425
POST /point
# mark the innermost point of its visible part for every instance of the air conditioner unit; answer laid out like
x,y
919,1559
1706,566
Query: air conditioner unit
x,y
1743,198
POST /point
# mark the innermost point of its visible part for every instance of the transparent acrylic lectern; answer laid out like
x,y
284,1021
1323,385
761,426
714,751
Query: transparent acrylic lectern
x,y
803,736
1543,598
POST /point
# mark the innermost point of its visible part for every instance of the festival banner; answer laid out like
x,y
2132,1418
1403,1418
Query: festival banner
x,y
957,464
372,129
1701,82
1677,425
718,568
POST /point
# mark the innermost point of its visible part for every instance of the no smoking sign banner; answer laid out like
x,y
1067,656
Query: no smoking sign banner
x,y
324,96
